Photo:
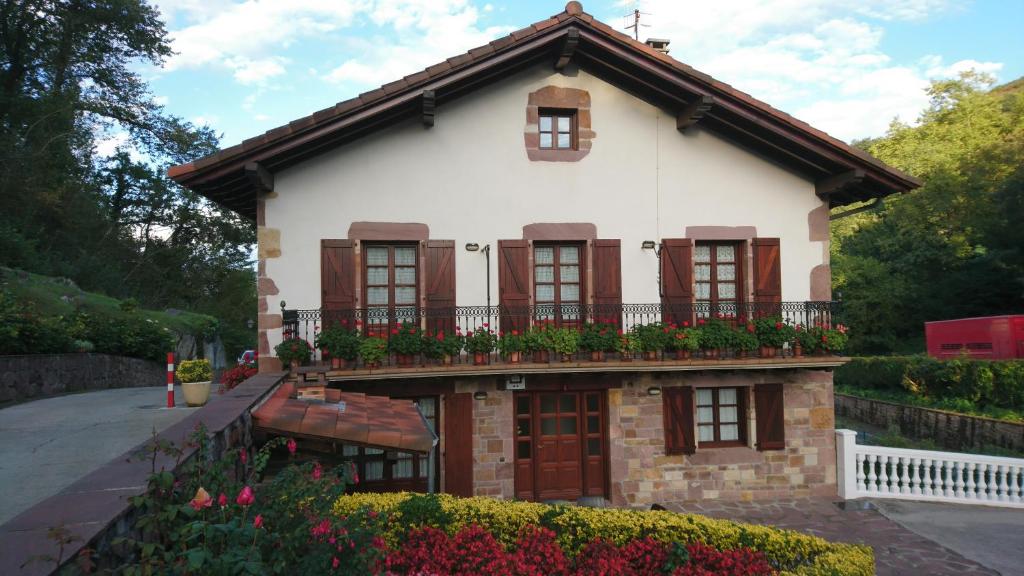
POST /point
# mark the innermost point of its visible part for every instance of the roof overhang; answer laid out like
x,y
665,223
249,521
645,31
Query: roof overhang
x,y
843,174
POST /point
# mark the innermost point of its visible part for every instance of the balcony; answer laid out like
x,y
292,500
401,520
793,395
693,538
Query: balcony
x,y
381,322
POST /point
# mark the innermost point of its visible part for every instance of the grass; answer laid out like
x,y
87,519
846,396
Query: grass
x,y
910,399
51,296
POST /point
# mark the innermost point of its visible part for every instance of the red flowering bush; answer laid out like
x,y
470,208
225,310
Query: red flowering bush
x,y
293,349
538,554
706,561
235,376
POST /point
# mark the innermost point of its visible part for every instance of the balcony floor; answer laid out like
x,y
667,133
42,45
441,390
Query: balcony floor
x,y
575,366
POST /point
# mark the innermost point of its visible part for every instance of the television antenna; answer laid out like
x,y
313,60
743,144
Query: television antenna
x,y
633,21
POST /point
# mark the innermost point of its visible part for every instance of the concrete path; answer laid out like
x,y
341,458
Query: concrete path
x,y
899,551
988,535
45,445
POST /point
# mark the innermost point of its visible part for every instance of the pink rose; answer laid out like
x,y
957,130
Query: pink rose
x,y
292,446
245,497
257,522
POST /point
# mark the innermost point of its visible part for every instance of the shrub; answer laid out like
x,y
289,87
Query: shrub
x,y
653,337
627,344
128,335
293,349
576,527
684,339
194,371
538,338
715,333
598,338
744,337
772,331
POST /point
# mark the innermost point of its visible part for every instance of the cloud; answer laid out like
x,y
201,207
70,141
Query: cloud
x,y
821,61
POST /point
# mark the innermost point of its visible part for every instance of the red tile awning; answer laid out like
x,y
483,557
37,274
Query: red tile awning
x,y
358,419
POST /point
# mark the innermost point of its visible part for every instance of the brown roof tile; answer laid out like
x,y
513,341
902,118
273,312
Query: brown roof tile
x,y
392,87
524,32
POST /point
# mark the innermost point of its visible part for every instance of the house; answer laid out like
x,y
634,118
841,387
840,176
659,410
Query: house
x,y
565,173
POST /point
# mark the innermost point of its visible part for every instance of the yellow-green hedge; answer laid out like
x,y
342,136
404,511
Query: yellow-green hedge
x,y
791,552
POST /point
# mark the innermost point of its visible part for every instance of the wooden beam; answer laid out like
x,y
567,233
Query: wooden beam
x,y
572,40
429,108
693,112
259,177
837,182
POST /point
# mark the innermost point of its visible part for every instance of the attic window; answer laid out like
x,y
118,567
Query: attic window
x,y
558,130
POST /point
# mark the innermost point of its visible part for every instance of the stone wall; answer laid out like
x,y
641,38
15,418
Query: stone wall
x,y
643,474
493,445
42,375
951,431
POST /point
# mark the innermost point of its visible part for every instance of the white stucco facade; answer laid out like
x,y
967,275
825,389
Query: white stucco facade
x,y
469,179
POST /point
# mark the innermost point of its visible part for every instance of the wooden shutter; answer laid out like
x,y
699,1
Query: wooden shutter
x,y
337,281
767,277
458,444
607,260
514,283
769,411
677,412
677,279
440,284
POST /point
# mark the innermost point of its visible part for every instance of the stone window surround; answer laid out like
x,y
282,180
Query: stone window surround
x,y
559,98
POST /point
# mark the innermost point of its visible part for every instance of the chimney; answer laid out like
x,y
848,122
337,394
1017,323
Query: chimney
x,y
659,44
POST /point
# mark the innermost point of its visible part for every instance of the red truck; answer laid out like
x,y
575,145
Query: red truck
x,y
991,337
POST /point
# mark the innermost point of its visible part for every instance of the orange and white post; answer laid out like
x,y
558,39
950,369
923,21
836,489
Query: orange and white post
x,y
170,379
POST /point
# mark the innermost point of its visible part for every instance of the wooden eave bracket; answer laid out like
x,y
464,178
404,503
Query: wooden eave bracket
x,y
259,178
693,112
569,45
838,182
429,108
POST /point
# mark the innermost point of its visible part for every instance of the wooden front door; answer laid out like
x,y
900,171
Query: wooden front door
x,y
560,445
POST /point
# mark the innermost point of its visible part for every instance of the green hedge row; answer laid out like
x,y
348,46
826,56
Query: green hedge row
x,y
981,383
24,331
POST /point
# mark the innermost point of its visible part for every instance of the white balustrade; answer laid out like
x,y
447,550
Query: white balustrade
x,y
880,472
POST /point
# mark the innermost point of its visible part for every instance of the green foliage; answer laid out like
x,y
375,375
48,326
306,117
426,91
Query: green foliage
x,y
598,337
194,371
772,331
538,338
652,337
442,344
481,341
339,342
685,339
963,385
715,333
790,552
628,343
293,349
405,339
373,349
565,341
512,341
744,338
953,248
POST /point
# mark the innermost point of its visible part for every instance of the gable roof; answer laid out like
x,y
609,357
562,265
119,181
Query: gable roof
x,y
233,176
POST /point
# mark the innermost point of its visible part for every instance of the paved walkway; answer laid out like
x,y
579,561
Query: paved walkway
x,y
898,550
48,444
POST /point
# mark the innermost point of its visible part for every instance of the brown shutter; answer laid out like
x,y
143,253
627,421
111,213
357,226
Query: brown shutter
x,y
767,277
677,279
458,445
769,411
677,412
337,281
440,283
607,281
514,283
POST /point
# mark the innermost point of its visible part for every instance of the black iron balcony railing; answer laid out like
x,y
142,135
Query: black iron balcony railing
x,y
380,322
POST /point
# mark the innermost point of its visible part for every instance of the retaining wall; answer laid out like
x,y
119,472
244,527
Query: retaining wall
x,y
42,375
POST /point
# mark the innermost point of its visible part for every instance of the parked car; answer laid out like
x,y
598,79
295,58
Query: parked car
x,y
247,357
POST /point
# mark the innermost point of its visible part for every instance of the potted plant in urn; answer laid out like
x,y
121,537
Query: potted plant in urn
x,y
565,342
511,345
805,340
537,342
372,350
744,339
597,339
685,341
480,344
405,343
833,340
653,338
627,345
340,344
772,333
293,352
195,377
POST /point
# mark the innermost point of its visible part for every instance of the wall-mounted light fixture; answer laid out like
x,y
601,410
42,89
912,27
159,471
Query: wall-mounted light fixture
x,y
472,247
654,391
648,245
480,395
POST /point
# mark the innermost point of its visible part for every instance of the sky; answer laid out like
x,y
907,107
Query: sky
x,y
848,67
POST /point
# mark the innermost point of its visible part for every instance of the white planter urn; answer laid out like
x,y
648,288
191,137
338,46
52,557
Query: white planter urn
x,y
196,393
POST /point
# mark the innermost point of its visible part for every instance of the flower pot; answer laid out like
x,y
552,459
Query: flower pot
x,y
196,393
446,360
515,357
479,358
337,363
682,354
372,365
597,356
541,356
723,353
768,351
405,359
294,367
650,355
798,351
626,356
566,357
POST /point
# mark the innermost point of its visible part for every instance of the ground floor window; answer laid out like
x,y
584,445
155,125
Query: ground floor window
x,y
720,417
390,470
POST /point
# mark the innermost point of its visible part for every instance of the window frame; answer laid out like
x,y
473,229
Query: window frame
x,y
555,114
715,303
420,469
393,321
556,282
741,415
